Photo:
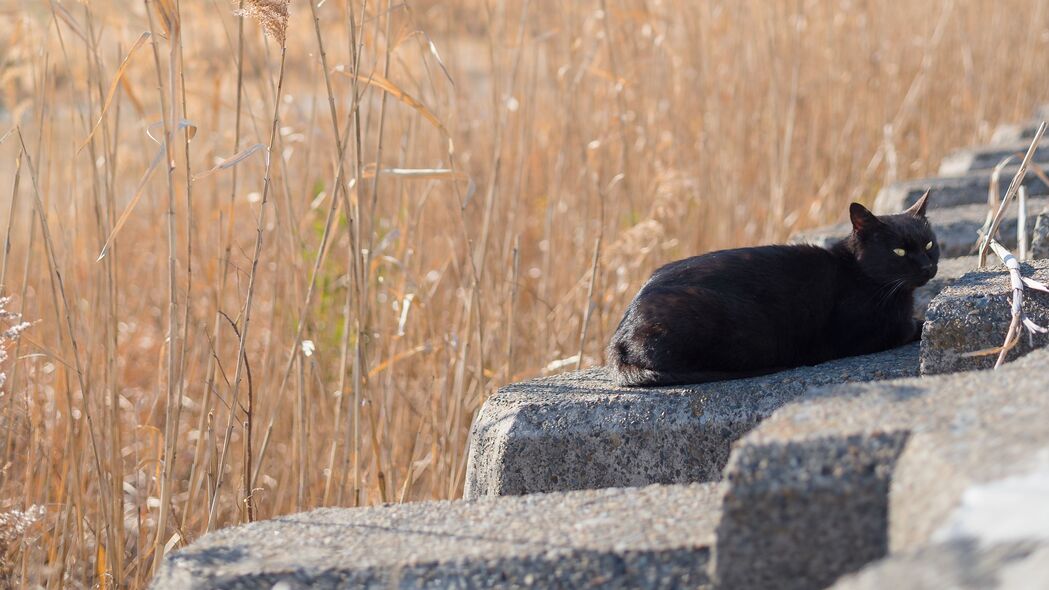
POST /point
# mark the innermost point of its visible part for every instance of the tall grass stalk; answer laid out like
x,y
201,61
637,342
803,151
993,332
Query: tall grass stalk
x,y
445,197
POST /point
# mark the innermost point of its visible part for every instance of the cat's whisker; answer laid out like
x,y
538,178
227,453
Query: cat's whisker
x,y
893,288
885,288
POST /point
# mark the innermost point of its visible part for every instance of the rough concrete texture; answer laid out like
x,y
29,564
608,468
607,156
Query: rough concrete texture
x,y
1040,235
973,314
950,191
859,469
959,565
996,537
948,270
988,156
768,538
652,537
956,228
580,431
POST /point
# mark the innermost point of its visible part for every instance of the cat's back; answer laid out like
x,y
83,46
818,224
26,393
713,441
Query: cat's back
x,y
748,268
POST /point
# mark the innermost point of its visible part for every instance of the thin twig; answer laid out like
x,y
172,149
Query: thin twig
x,y
589,302
1014,186
1021,223
260,226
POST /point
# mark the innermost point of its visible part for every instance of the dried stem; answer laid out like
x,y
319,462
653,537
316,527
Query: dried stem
x,y
1021,222
260,226
1019,318
1014,186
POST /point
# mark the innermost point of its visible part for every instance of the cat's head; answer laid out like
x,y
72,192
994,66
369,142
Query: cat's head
x,y
893,248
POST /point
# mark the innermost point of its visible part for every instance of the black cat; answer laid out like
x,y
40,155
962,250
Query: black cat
x,y
752,311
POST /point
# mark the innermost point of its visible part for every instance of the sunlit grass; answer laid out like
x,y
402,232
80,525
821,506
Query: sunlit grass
x,y
529,166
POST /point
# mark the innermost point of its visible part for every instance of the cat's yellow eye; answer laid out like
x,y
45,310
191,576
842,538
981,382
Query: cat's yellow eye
x,y
928,246
899,252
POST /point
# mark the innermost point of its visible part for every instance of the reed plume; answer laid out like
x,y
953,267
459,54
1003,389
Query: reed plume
x,y
271,14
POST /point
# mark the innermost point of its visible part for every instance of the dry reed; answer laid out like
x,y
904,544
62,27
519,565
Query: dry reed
x,y
453,195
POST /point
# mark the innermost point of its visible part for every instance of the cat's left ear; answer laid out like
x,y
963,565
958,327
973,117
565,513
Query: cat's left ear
x,y
862,219
918,208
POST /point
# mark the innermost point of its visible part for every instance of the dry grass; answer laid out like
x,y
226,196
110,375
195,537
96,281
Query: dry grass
x,y
507,176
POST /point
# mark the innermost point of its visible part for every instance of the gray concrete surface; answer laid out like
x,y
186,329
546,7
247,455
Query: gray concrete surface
x,y
948,270
973,314
799,513
1040,235
986,157
1011,133
997,536
957,228
950,191
958,565
581,431
854,471
652,537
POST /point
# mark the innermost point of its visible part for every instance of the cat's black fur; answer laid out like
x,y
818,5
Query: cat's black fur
x,y
751,311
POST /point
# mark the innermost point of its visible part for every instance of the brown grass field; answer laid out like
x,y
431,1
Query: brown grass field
x,y
453,195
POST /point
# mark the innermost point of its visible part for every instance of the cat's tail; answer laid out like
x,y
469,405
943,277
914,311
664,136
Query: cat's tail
x,y
633,376
628,374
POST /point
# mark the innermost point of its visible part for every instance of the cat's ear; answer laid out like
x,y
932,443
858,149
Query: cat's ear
x,y
862,219
918,208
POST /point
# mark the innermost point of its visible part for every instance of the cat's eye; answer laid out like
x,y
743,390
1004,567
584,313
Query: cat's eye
x,y
899,252
928,246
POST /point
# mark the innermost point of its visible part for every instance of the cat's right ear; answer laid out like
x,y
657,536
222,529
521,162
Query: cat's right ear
x,y
918,208
862,219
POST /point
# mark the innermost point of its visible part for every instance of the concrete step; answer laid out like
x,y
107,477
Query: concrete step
x,y
973,314
956,228
581,431
1040,235
652,537
986,157
821,481
965,564
854,472
1011,133
951,191
948,271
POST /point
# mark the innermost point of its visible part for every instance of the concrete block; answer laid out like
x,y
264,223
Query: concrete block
x,y
950,191
852,472
800,513
1006,133
996,536
948,270
956,228
1011,133
652,537
973,314
960,565
581,431
988,156
1040,235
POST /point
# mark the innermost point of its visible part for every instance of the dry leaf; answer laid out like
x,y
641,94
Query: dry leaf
x,y
113,88
382,83
231,161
